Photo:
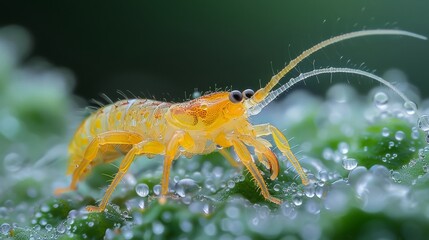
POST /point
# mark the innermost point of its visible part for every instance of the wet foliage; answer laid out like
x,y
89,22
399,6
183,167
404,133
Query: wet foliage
x,y
365,156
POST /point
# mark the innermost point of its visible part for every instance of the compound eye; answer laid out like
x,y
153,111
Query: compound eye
x,y
248,93
235,96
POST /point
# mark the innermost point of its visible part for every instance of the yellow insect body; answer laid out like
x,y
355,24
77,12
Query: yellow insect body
x,y
147,127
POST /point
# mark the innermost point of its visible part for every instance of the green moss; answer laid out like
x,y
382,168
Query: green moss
x,y
357,224
94,225
386,150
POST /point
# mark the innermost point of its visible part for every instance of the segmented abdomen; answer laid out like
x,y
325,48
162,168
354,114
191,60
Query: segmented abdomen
x,y
142,116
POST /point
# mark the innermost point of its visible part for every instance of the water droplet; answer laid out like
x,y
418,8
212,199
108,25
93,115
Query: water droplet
x,y
109,234
48,227
356,174
336,201
91,224
210,229
186,226
209,184
423,122
289,212
385,132
5,228
37,227
127,233
61,228
166,217
410,107
396,176
312,207
380,100
44,208
427,137
399,135
186,187
43,222
319,191
230,184
158,228
142,189
349,163
255,221
415,134
297,200
309,190
233,212
323,175
204,106
196,94
380,171
157,189
276,187
343,147
327,154
218,172
176,179
207,208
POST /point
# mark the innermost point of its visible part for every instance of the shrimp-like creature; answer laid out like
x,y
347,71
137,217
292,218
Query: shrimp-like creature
x,y
147,127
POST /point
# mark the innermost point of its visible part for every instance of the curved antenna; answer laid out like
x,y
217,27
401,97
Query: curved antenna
x,y
262,93
253,110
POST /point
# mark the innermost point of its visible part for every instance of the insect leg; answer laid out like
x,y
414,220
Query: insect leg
x,y
140,148
114,137
283,145
245,157
179,138
224,142
263,151
226,154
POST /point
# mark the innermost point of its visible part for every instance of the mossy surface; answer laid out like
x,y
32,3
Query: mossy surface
x,y
367,167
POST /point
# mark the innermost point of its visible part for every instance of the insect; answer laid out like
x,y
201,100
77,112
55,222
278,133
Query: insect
x,y
148,127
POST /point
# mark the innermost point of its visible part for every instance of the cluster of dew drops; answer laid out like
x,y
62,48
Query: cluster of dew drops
x,y
187,187
381,101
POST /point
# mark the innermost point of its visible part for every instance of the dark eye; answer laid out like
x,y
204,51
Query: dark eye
x,y
235,96
248,93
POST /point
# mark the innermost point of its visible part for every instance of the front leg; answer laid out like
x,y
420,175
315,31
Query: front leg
x,y
263,152
246,158
283,145
178,139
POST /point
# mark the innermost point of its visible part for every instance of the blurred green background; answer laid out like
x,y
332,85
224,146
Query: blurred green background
x,y
168,48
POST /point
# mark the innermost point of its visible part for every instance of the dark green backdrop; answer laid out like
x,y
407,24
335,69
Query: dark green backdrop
x,y
167,48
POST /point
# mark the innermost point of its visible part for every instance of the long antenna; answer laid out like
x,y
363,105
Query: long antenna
x,y
273,94
262,93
